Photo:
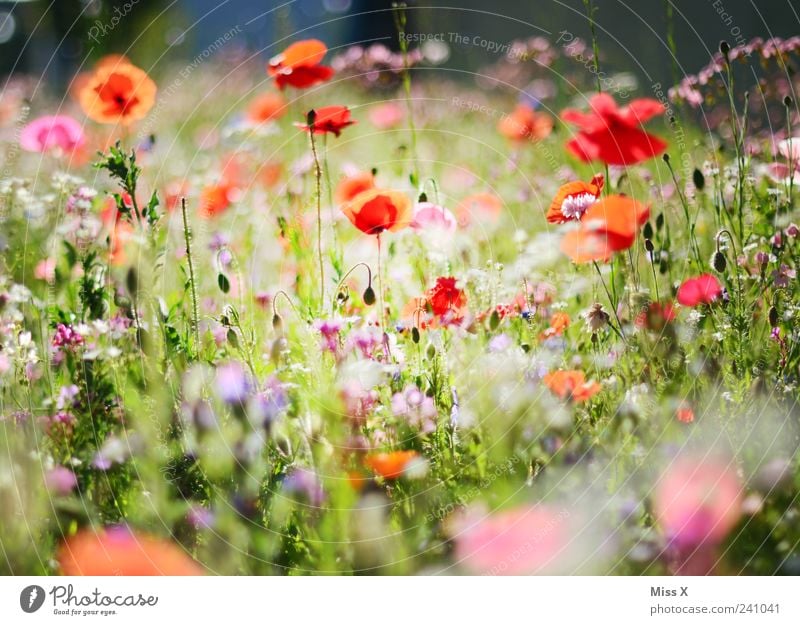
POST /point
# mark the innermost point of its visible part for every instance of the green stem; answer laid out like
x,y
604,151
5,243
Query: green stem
x,y
187,237
318,176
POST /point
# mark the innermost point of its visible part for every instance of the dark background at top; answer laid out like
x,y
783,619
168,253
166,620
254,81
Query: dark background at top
x,y
59,43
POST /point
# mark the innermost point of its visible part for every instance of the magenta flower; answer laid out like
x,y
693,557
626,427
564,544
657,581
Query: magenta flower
x,y
60,480
52,131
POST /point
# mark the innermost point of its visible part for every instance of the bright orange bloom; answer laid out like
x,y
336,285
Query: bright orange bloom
x,y
266,107
525,124
390,465
118,551
299,65
559,322
573,199
376,210
118,94
571,385
216,198
351,186
608,226
331,119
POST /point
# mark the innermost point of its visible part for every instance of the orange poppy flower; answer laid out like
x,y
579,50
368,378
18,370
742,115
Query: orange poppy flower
x,y
217,197
376,210
118,551
331,119
608,226
571,385
480,205
525,124
266,107
118,94
390,465
573,199
351,186
559,322
299,65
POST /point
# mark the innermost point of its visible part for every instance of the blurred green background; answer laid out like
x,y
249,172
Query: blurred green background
x,y
55,37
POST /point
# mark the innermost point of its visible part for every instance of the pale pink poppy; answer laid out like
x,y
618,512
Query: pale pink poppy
x,y
430,216
45,269
697,502
789,167
387,115
522,541
52,131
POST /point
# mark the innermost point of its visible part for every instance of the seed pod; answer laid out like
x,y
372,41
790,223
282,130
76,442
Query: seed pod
x,y
369,296
787,101
659,221
132,281
719,262
423,197
666,157
725,48
773,316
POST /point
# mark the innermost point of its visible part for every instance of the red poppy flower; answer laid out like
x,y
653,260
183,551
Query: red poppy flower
x,y
608,226
118,551
376,210
351,186
329,119
656,316
445,297
703,289
559,323
525,124
299,65
118,94
571,385
390,465
573,199
614,135
684,413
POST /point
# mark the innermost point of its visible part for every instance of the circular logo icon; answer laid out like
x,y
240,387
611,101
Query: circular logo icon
x,y
31,598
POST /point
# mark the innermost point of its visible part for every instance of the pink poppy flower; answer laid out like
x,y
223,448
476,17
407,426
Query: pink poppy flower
x,y
52,131
387,115
703,289
782,171
430,216
697,502
45,269
521,541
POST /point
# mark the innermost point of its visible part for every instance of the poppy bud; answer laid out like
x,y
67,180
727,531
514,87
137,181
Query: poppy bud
x,y
698,179
233,338
724,48
719,262
311,117
369,296
132,281
773,316
666,158
787,101
494,320
648,245
423,197
277,322
660,221
431,351
647,231
415,334
223,283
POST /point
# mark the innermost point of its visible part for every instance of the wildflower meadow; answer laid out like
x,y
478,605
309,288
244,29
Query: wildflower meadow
x,y
313,309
